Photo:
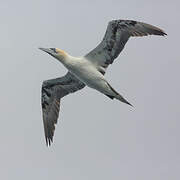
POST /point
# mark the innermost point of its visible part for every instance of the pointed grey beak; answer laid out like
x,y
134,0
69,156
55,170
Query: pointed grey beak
x,y
47,50
50,51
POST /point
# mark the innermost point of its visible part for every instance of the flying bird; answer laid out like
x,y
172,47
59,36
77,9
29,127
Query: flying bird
x,y
89,70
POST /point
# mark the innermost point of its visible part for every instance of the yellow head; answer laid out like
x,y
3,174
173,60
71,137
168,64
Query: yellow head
x,y
60,52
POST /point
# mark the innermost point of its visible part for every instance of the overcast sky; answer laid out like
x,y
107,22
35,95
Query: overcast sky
x,y
96,138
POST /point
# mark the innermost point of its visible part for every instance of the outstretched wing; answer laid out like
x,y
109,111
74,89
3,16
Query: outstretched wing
x,y
52,92
117,34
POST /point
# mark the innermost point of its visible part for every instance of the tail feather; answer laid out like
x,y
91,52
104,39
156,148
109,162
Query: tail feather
x,y
111,97
118,96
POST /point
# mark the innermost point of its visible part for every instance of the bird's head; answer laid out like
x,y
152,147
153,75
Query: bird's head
x,y
55,52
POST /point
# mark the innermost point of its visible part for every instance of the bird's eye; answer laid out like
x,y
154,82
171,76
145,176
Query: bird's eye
x,y
53,49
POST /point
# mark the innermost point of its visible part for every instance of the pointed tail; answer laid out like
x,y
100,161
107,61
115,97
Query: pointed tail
x,y
118,96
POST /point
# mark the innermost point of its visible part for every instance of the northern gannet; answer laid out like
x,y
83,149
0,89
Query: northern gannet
x,y
89,70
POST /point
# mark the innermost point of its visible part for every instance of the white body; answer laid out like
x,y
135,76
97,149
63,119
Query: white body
x,y
88,73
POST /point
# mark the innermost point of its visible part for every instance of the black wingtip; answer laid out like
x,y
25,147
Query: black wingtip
x,y
163,33
49,141
159,32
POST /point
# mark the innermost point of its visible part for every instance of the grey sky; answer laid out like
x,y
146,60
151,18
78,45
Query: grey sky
x,y
96,138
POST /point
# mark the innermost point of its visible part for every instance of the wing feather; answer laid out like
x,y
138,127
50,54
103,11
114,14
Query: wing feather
x,y
52,92
117,34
